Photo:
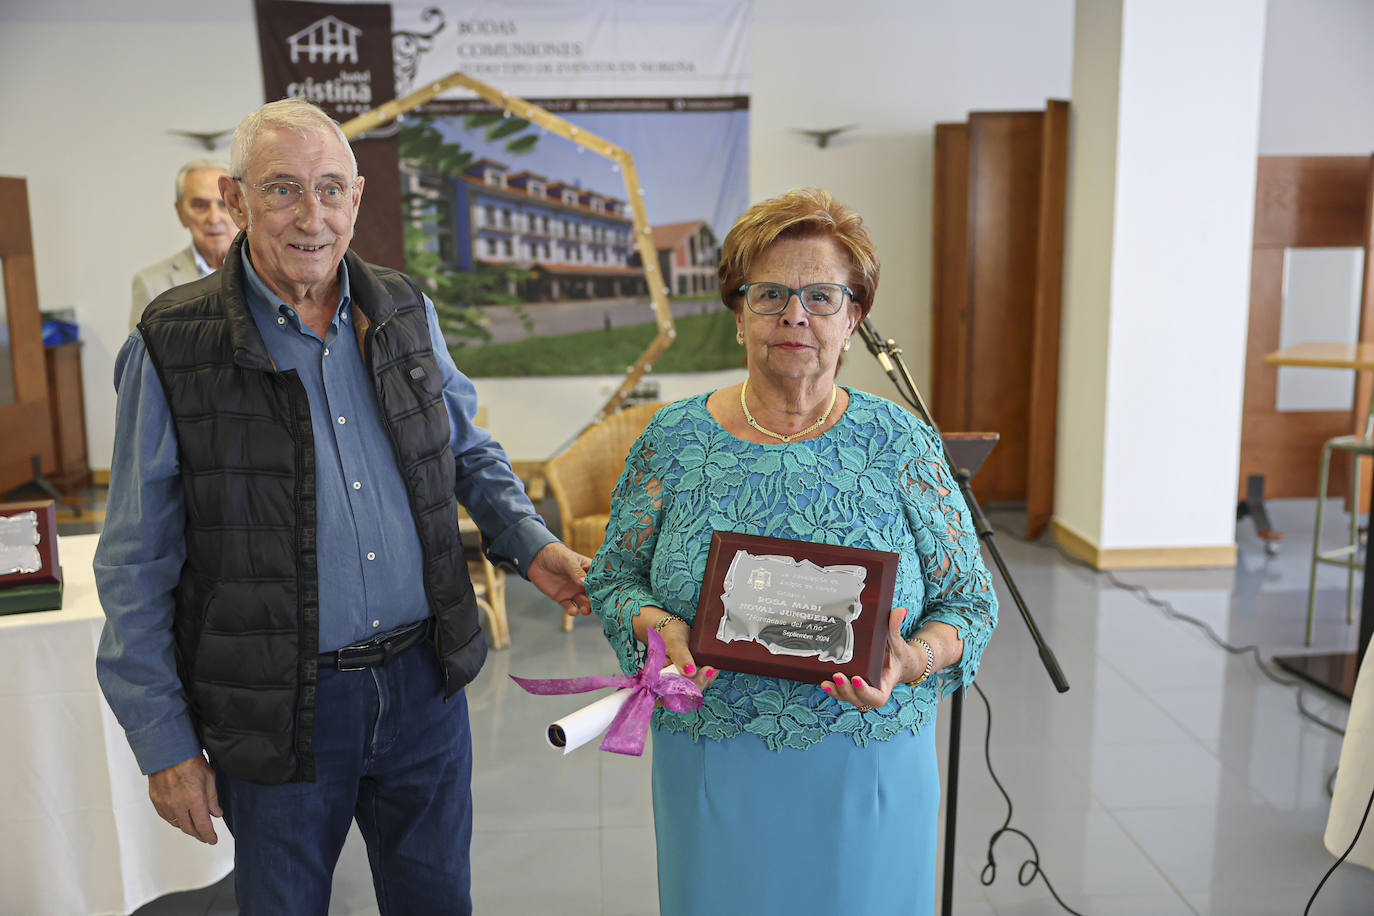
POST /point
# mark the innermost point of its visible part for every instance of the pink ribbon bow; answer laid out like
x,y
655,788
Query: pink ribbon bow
x,y
630,727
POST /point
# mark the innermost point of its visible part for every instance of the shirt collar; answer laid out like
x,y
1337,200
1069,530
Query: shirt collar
x,y
202,266
261,299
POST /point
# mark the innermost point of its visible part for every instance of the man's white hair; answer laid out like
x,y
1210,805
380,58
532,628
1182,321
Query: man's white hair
x,y
195,165
286,114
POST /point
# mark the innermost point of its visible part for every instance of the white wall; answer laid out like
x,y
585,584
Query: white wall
x,y
1181,270
1318,78
92,88
1170,324
901,67
1317,100
1089,220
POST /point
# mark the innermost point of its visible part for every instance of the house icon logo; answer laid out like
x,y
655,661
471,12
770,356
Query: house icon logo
x,y
328,40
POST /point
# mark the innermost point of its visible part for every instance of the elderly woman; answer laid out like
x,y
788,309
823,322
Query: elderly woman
x,y
779,796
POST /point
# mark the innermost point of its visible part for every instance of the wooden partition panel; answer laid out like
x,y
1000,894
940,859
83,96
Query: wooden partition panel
x,y
1300,202
949,279
1049,282
1364,382
24,428
1004,203
996,279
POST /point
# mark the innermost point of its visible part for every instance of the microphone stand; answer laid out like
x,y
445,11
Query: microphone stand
x,y
889,356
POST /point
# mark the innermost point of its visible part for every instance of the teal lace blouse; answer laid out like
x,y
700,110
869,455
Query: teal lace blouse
x,y
875,479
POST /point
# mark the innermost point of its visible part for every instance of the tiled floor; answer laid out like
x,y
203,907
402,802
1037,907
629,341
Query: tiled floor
x,y
1171,778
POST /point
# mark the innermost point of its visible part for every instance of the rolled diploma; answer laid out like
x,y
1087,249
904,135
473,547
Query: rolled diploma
x,y
577,728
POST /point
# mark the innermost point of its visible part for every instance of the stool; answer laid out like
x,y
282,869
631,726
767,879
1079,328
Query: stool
x,y
1347,556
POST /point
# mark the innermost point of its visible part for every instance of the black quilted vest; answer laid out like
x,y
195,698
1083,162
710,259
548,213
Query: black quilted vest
x,y
247,605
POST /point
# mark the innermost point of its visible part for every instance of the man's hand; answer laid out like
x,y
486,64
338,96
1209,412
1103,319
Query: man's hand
x,y
559,573
185,797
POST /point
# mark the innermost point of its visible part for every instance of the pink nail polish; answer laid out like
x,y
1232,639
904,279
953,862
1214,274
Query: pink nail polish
x,y
710,672
857,682
690,669
827,688
839,679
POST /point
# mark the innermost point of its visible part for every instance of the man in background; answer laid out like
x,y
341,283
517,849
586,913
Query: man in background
x,y
202,211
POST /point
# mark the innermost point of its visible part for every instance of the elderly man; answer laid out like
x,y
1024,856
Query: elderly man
x,y
280,566
202,211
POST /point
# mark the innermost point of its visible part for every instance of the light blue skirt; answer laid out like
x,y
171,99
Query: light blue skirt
x,y
833,829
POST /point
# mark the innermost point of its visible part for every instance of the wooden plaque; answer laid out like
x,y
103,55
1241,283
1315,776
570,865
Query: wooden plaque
x,y
23,562
793,609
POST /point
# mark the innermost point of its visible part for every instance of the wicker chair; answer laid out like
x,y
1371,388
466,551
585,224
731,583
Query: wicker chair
x,y
489,588
583,477
488,582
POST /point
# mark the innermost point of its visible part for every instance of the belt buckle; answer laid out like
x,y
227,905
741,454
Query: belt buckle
x,y
341,665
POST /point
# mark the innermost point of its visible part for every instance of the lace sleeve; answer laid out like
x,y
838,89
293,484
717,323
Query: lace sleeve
x,y
618,583
959,589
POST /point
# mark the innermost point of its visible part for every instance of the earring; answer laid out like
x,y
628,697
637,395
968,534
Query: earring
x,y
846,345
739,338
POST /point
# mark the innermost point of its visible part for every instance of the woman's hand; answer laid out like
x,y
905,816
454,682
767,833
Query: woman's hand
x,y
674,634
901,659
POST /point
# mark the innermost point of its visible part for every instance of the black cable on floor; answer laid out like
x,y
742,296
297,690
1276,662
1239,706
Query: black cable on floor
x,y
1170,611
990,870
1030,869
1144,594
1348,850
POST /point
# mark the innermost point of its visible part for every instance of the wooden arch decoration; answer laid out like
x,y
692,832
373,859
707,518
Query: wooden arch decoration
x,y
634,193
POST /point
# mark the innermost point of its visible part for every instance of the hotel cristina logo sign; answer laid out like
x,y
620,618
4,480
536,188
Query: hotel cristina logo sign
x,y
329,40
337,55
328,68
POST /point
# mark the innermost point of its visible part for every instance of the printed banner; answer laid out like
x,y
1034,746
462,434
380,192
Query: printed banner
x,y
338,55
522,238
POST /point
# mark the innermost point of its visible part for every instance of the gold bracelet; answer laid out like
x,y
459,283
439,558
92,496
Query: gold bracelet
x,y
930,663
666,618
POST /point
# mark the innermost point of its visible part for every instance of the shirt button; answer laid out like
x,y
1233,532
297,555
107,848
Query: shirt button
x,y
281,320
357,485
341,421
371,555
376,623
326,351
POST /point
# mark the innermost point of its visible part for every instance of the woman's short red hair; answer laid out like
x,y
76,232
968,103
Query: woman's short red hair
x,y
800,213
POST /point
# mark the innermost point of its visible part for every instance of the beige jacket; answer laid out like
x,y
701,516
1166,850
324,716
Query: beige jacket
x,y
153,281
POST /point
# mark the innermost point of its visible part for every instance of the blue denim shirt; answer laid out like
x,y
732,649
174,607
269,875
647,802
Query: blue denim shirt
x,y
370,563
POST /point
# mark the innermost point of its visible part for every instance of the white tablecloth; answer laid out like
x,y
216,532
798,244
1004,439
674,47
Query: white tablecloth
x,y
77,832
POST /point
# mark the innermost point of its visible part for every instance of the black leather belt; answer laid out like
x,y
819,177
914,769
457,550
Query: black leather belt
x,y
377,652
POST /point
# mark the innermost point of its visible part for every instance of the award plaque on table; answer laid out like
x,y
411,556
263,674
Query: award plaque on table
x,y
30,577
793,609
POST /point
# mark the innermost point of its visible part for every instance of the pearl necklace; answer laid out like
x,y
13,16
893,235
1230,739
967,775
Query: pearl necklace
x,y
834,392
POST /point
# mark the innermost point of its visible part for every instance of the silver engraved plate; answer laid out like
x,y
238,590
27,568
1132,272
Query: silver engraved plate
x,y
19,544
792,607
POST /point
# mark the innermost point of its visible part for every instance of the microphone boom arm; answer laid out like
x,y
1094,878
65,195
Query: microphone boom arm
x,y
889,356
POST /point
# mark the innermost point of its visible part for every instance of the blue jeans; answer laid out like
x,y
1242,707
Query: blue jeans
x,y
392,754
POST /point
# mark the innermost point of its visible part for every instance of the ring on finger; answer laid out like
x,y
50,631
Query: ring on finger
x,y
863,707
